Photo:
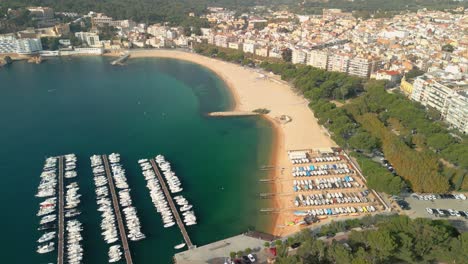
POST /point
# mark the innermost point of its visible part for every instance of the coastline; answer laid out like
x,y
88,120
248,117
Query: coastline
x,y
252,90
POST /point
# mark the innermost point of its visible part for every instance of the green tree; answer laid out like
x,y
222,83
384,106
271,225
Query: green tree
x,y
363,141
286,54
413,73
448,48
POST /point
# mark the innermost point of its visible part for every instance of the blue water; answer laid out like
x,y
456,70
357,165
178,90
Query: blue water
x,y
149,106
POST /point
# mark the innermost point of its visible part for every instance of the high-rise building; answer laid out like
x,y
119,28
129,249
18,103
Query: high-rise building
x,y
445,92
318,59
362,67
457,111
299,56
338,62
92,39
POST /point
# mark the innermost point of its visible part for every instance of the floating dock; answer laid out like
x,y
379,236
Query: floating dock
x,y
61,223
172,205
115,202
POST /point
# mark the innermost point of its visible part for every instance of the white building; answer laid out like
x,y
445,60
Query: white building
x,y
92,39
171,34
157,30
362,67
318,59
298,56
445,92
457,111
82,51
10,44
391,76
338,63
221,41
249,47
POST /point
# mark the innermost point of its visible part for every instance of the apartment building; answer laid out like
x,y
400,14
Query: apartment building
x,y
262,52
318,59
101,20
249,47
222,40
157,30
41,12
91,39
447,93
299,56
339,62
362,67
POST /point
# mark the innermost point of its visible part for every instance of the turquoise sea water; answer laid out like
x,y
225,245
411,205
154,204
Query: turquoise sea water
x,y
150,106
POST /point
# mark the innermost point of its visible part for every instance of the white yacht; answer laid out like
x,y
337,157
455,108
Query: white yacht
x,y
46,237
46,248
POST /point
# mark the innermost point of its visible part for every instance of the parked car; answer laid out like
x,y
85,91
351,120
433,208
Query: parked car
x,y
251,258
246,259
403,204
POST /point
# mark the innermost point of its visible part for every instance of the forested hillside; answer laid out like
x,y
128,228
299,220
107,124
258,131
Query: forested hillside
x,y
150,11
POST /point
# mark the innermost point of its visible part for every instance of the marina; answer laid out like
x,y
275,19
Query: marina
x,y
172,205
123,237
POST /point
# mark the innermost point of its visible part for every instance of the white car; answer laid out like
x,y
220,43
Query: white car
x,y
251,257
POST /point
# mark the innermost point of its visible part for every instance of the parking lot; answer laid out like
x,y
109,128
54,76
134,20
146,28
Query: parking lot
x,y
417,208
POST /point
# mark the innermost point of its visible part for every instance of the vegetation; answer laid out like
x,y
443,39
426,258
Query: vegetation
x,y
231,55
391,239
413,73
49,43
376,8
14,21
378,178
262,111
107,32
176,12
448,48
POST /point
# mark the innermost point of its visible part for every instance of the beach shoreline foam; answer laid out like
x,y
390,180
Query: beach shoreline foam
x,y
250,90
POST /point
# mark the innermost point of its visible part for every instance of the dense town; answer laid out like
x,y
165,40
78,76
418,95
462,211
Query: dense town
x,y
428,42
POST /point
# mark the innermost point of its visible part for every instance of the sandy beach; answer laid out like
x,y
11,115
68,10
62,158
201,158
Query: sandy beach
x,y
252,90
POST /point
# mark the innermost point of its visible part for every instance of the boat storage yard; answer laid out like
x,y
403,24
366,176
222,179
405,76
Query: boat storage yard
x,y
325,184
59,211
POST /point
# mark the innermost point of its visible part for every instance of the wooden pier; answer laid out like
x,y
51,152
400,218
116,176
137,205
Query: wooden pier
x,y
172,205
121,59
115,202
232,113
61,223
